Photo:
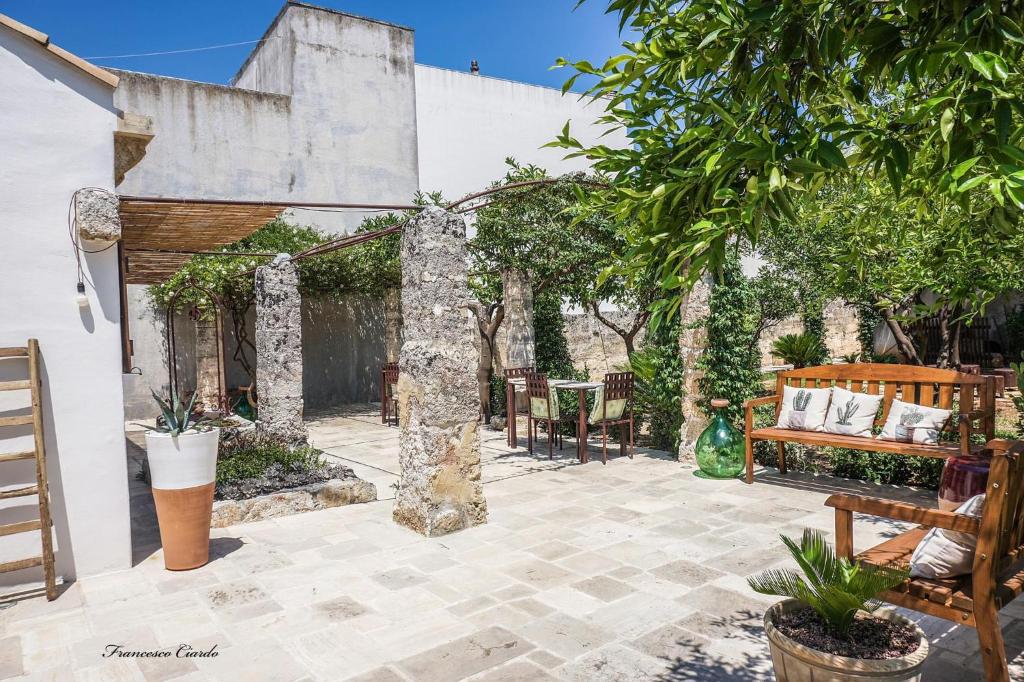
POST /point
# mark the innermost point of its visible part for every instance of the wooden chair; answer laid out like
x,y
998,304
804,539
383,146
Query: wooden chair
x,y
510,405
610,412
997,577
543,408
925,386
388,392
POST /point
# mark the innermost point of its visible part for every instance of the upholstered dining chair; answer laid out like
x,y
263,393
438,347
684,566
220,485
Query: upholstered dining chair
x,y
613,406
543,408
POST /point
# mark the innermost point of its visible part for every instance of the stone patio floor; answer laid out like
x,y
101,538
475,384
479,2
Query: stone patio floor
x,y
630,571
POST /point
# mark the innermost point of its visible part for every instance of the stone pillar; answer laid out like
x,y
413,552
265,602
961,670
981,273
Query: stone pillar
x,y
439,488
693,339
519,337
392,324
279,350
208,363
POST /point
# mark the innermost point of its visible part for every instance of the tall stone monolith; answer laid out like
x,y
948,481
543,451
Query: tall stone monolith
x,y
693,340
392,324
520,341
279,350
439,488
208,363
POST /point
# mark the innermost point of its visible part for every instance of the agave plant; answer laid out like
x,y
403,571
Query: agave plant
x,y
833,586
176,416
851,358
799,350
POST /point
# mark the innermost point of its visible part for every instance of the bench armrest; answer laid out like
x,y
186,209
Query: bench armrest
x,y
758,402
900,511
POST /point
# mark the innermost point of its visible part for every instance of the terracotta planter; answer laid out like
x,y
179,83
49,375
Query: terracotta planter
x,y
794,662
182,471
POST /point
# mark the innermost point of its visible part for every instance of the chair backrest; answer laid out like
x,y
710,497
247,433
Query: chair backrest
x,y
516,372
925,386
1001,535
390,370
537,385
537,389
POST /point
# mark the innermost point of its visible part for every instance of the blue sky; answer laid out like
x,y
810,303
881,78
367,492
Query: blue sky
x,y
514,39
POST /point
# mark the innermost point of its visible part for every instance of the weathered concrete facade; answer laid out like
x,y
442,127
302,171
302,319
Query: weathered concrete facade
x,y
279,350
439,442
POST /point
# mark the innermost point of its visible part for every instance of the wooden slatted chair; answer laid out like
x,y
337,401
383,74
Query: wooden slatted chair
x,y
388,392
924,386
511,410
997,577
614,407
544,408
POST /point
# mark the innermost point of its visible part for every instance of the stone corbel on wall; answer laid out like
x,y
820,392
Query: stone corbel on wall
x,y
133,134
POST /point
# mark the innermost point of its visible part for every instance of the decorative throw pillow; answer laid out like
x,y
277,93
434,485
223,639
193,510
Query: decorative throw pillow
x,y
946,553
804,409
912,423
612,410
852,414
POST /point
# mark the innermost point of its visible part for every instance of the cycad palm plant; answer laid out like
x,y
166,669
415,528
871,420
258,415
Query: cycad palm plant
x,y
800,350
833,586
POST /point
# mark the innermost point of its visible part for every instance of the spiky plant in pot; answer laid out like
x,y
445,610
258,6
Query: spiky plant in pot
x,y
831,615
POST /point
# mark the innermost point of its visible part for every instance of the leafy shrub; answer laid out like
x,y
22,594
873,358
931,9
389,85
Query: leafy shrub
x,y
658,372
250,454
868,319
799,350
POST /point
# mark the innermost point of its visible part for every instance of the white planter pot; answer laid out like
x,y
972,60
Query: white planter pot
x,y
794,662
184,461
183,471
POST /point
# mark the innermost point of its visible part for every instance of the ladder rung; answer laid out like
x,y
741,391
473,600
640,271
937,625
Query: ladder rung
x,y
19,420
20,385
20,564
22,527
15,456
19,492
21,352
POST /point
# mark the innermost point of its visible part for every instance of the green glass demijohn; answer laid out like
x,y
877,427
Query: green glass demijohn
x,y
720,448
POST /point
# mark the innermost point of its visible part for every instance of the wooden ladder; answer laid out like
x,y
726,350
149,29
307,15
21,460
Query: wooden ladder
x,y
41,489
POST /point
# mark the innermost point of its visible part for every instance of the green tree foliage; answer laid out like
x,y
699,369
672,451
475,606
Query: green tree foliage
x,y
735,110
731,363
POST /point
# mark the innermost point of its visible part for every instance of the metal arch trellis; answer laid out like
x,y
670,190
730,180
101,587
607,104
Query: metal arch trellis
x,y
172,354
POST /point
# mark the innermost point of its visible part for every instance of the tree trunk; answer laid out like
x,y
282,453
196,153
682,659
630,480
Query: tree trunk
x,y
945,346
906,345
627,335
489,320
954,351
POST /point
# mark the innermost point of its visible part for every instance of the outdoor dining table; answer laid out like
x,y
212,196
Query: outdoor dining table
x,y
581,388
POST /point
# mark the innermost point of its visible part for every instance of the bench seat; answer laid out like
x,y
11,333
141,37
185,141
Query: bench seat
x,y
836,440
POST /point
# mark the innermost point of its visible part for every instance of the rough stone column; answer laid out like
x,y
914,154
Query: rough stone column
x,y
519,340
439,489
693,339
392,324
208,366
279,350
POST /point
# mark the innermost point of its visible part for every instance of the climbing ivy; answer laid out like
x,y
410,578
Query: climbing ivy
x,y
658,372
732,362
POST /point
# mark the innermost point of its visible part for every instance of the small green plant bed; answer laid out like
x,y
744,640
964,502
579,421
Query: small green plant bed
x,y
252,464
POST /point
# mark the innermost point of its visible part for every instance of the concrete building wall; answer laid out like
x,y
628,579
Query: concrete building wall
x,y
57,135
469,124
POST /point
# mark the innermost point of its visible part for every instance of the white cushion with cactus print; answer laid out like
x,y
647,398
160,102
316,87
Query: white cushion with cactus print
x,y
912,423
539,406
804,409
852,414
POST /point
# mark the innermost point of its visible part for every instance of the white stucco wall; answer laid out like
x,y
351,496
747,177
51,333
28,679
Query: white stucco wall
x,y
56,135
467,125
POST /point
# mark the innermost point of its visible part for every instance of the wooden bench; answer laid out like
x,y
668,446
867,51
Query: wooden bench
x,y
997,577
925,386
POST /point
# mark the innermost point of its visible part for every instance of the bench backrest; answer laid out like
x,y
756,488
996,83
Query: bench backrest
x,y
926,386
1001,535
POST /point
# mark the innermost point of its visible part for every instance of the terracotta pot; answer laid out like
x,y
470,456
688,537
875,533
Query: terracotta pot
x,y
795,662
183,470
